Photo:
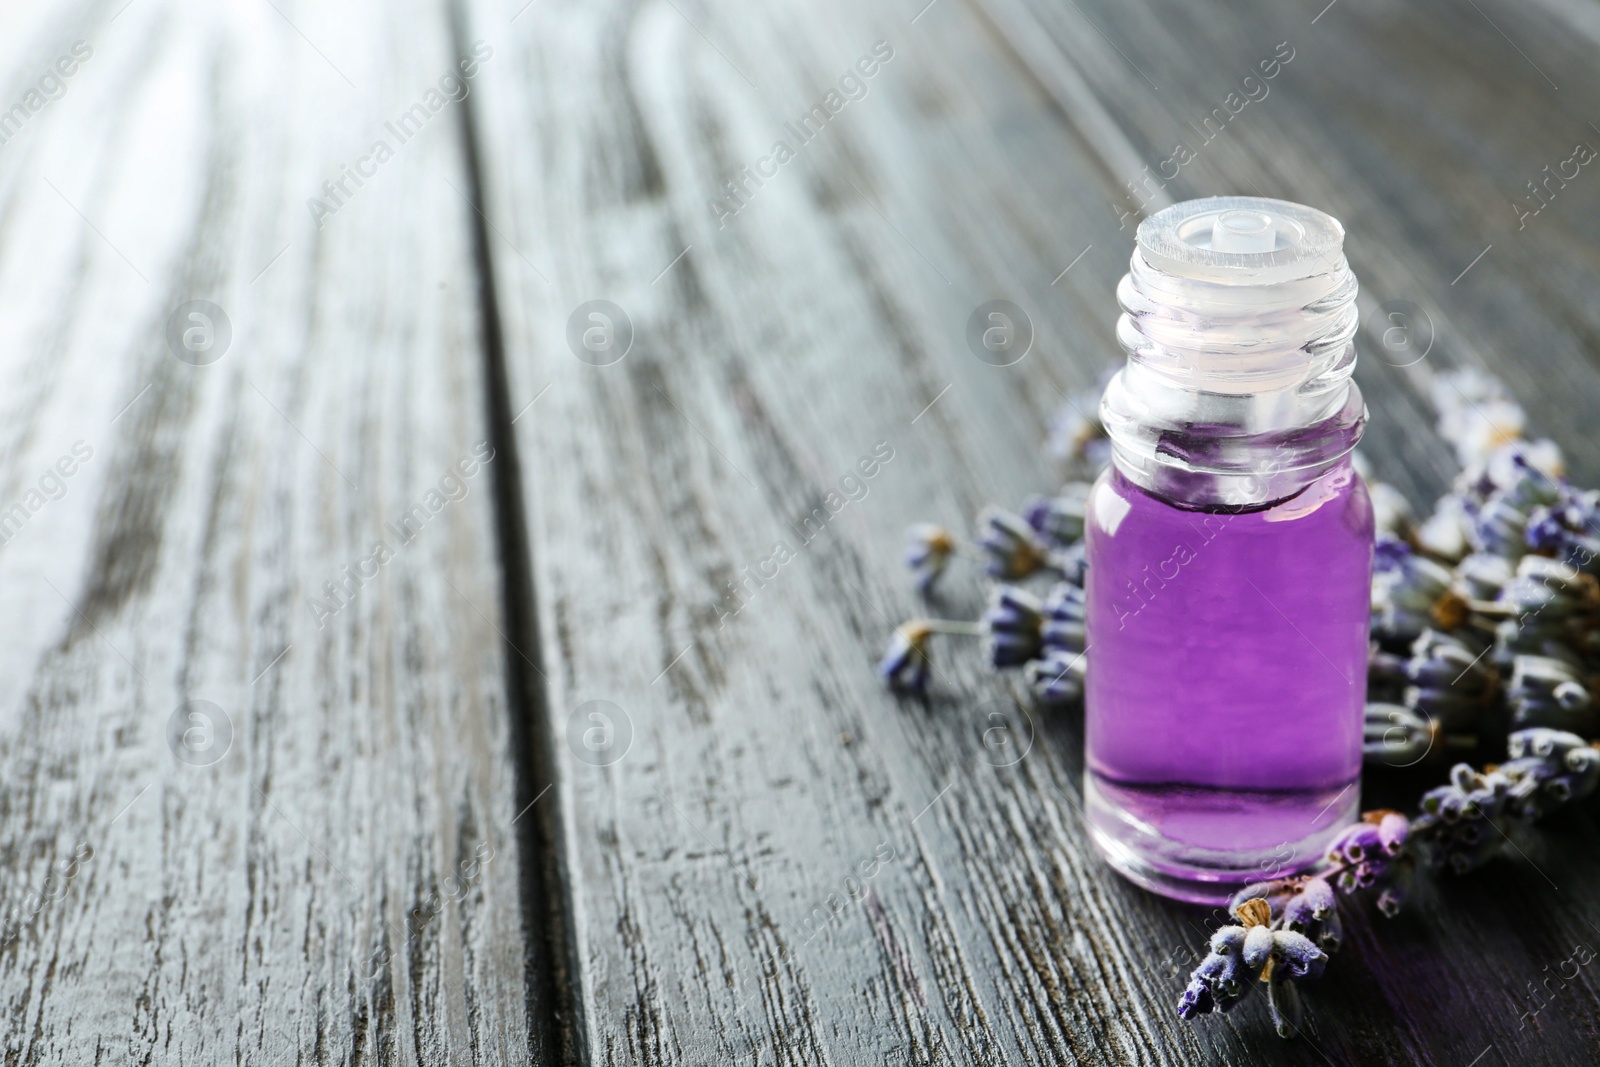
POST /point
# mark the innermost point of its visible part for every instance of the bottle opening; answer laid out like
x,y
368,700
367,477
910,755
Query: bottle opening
x,y
1242,239
1244,231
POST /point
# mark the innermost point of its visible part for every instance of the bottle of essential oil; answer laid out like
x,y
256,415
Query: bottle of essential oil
x,y
1230,554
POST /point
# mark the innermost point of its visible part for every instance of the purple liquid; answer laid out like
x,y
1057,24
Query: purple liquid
x,y
1228,664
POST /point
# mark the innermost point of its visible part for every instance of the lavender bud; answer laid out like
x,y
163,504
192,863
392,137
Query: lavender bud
x,y
1298,955
1057,679
1257,947
1196,999
1228,939
1076,432
1013,624
1012,547
1065,611
1355,843
1392,831
1391,511
905,665
1318,896
1331,935
928,552
1390,901
1058,519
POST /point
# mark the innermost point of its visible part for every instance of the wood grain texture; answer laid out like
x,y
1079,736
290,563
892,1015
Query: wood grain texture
x,y
342,883
1420,127
765,775
752,853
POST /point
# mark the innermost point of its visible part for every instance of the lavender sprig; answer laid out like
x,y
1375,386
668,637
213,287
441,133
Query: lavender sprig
x,y
1287,928
1018,629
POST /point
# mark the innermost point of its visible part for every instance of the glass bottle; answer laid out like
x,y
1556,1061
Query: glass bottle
x,y
1230,554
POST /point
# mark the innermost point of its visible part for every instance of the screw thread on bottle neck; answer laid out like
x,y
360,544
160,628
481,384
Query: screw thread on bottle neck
x,y
1238,319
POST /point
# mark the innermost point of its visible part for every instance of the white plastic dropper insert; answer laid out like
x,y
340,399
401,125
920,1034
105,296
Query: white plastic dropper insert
x,y
1242,240
1244,230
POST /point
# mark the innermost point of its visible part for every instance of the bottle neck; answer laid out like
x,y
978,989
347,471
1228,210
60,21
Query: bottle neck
x,y
1237,391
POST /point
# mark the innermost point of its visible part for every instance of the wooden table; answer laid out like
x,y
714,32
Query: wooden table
x,y
398,663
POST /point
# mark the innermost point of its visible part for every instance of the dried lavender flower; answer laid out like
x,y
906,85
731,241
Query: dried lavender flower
x,y
1549,768
1482,575
1551,589
1013,624
1459,820
1386,674
1397,736
1066,611
1410,593
1059,519
928,551
1013,548
1452,681
1313,910
1076,434
1546,532
1257,950
1288,927
1476,413
1071,563
1498,526
1391,511
1529,472
905,665
1366,853
1443,534
1547,691
1057,678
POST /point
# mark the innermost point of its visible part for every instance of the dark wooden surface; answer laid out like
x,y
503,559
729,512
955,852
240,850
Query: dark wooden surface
x,y
296,892
715,838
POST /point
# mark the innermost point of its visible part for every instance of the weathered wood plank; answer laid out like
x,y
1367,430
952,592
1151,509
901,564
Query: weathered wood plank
x,y
755,775
327,871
